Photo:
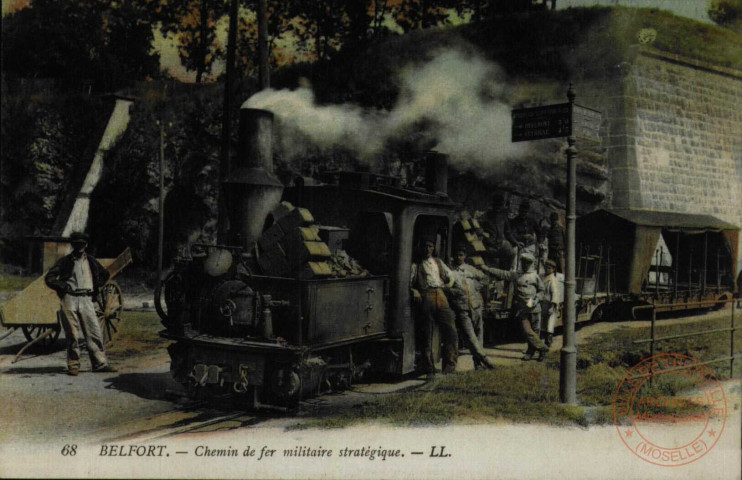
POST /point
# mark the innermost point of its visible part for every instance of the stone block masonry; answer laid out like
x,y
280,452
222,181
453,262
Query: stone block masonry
x,y
687,137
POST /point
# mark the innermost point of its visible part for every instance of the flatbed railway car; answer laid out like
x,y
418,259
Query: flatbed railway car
x,y
676,261
627,258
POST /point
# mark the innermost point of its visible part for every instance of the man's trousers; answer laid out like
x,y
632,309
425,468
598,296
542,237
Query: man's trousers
x,y
435,309
531,325
80,321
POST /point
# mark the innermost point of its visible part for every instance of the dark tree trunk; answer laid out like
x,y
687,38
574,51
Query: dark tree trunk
x,y
202,41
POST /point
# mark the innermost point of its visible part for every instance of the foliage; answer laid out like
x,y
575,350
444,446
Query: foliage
x,y
727,13
124,206
49,137
98,42
418,14
195,23
280,23
324,25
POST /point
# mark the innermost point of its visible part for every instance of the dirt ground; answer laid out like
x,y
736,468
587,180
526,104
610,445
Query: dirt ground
x,y
41,402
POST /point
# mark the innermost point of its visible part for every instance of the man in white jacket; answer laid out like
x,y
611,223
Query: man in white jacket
x,y
552,301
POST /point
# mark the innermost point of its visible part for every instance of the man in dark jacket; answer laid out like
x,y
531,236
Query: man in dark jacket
x,y
77,279
500,251
555,237
522,231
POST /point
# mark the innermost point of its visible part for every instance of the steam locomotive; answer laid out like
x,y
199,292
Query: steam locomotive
x,y
264,316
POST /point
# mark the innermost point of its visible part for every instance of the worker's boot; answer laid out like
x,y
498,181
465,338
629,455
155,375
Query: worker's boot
x,y
449,360
427,363
542,352
529,354
549,339
483,363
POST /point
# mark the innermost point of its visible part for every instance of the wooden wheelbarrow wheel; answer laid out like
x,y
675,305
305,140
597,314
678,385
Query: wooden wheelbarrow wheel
x,y
32,332
110,311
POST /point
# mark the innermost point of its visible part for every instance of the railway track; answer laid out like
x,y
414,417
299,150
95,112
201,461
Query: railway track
x,y
178,421
202,417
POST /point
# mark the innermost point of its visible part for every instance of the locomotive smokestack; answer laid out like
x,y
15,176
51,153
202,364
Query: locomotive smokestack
x,y
256,139
254,190
436,173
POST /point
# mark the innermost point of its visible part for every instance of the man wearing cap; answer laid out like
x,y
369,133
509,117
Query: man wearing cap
x,y
428,277
553,298
526,307
77,279
499,250
467,303
522,230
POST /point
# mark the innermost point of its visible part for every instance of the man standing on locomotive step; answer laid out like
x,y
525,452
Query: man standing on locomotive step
x,y
77,279
556,240
467,303
427,280
526,307
500,252
523,230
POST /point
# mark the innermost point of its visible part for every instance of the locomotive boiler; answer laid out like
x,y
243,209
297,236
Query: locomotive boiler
x,y
310,291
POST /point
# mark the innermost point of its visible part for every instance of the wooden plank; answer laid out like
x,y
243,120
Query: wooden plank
x,y
36,304
115,266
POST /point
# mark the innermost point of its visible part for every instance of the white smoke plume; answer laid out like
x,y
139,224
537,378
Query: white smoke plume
x,y
325,126
459,96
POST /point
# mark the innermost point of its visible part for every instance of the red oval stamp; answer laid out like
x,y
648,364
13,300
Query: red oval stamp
x,y
670,409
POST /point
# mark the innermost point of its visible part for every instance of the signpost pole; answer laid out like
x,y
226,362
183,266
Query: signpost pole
x,y
568,363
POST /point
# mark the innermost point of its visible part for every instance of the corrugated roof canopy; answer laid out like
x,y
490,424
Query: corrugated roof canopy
x,y
672,220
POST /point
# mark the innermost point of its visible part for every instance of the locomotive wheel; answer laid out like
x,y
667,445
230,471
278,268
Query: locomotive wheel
x,y
110,311
32,332
170,298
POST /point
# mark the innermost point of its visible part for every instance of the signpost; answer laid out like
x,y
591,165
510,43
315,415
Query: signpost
x,y
542,122
553,121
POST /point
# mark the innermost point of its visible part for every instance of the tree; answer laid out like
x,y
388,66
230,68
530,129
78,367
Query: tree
x,y
280,22
106,43
378,11
194,22
419,14
323,26
727,13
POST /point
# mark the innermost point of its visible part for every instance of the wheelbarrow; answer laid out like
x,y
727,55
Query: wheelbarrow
x,y
35,310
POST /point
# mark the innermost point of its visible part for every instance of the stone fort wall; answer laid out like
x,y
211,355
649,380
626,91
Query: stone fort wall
x,y
683,142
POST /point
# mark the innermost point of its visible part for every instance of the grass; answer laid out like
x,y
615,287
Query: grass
x,y
12,283
529,393
617,349
138,336
519,393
